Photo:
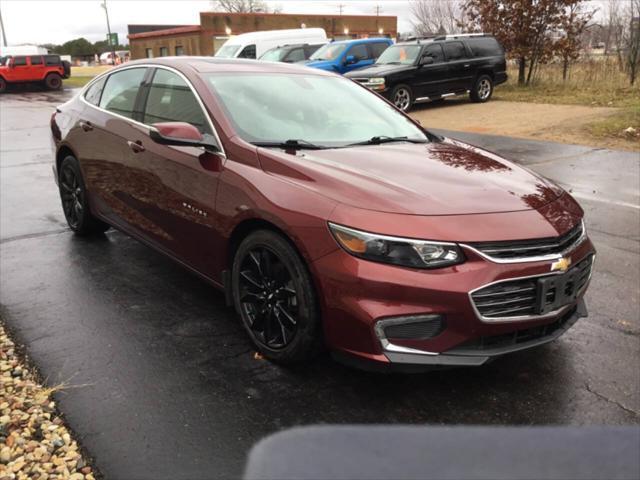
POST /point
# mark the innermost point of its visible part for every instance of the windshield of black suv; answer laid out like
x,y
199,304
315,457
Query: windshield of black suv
x,y
274,55
400,54
330,51
326,111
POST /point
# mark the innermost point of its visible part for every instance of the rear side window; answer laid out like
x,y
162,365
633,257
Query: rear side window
x,y
248,52
19,61
359,51
52,60
120,91
434,51
378,48
295,55
454,50
171,100
485,47
92,95
36,60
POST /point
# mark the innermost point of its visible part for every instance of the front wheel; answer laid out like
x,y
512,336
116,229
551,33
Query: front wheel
x,y
53,81
482,89
273,292
73,194
3,85
402,97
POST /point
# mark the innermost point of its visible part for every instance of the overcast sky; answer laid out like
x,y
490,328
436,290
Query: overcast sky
x,y
56,21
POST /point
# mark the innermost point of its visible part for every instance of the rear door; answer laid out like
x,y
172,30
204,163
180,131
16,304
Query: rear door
x,y
173,189
460,71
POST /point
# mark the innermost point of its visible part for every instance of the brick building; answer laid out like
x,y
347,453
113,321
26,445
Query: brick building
x,y
215,28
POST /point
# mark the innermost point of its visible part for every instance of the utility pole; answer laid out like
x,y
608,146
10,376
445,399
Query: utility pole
x,y
111,45
4,35
378,10
340,7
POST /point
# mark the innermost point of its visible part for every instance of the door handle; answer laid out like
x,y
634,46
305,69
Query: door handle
x,y
86,126
136,146
467,65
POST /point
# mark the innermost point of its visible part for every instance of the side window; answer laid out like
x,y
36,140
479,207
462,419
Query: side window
x,y
434,51
93,93
36,60
19,61
378,48
248,52
171,100
120,91
359,51
51,60
164,51
310,50
454,50
295,55
484,46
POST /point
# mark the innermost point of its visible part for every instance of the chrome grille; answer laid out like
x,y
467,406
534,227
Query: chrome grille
x,y
522,297
532,248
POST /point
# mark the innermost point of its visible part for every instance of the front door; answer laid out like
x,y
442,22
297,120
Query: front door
x,y
174,188
432,80
361,58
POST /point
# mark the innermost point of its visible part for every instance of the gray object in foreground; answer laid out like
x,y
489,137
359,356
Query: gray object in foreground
x,y
407,452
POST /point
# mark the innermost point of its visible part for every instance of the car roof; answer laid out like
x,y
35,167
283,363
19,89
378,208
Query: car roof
x,y
362,40
225,65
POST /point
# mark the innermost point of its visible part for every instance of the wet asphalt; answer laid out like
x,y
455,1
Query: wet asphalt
x,y
163,383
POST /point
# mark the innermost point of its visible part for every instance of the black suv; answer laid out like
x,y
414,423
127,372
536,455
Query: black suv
x,y
431,69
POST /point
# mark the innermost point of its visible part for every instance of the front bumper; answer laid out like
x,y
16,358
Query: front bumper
x,y
357,294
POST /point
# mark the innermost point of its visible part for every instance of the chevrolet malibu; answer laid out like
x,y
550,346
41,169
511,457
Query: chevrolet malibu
x,y
328,217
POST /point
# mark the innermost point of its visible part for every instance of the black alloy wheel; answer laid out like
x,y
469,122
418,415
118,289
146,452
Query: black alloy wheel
x,y
274,295
53,81
74,199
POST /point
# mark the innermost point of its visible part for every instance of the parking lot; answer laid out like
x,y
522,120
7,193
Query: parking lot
x,y
163,382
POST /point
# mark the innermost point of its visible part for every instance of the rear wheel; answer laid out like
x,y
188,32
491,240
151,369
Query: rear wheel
x,y
3,85
274,294
482,89
402,97
53,81
74,200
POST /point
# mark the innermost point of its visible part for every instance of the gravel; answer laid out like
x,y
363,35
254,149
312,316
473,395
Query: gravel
x,y
34,443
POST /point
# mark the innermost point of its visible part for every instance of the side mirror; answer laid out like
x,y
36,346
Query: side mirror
x,y
426,60
350,60
180,134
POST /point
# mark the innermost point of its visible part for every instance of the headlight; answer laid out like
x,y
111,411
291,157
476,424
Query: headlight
x,y
407,252
376,81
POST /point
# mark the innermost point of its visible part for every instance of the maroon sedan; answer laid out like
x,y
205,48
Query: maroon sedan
x,y
328,217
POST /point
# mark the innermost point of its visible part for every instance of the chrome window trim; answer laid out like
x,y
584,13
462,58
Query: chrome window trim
x,y
539,258
144,125
523,318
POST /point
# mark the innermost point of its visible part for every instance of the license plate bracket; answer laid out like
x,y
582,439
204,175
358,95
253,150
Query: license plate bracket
x,y
556,291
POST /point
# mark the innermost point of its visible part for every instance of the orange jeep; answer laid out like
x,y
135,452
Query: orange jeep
x,y
46,69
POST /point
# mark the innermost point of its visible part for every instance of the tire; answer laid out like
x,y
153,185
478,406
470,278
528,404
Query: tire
x,y
3,85
402,97
482,89
275,298
53,81
75,205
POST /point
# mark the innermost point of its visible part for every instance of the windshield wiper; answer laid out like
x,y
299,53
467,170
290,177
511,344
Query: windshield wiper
x,y
385,139
292,144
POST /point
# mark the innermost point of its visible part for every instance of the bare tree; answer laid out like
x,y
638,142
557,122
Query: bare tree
x,y
432,17
240,6
631,39
573,25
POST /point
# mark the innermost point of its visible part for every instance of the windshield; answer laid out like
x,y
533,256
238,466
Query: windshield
x,y
402,54
273,55
275,108
330,51
228,51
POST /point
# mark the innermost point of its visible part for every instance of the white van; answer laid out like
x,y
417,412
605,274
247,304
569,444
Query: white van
x,y
254,44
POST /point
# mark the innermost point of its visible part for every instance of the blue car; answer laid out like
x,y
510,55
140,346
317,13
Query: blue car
x,y
347,55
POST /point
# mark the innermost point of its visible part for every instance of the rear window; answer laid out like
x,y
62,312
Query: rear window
x,y
36,60
248,52
485,47
52,60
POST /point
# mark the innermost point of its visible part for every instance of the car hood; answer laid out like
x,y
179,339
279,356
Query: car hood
x,y
378,71
440,178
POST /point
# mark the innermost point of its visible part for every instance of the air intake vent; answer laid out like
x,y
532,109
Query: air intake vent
x,y
415,329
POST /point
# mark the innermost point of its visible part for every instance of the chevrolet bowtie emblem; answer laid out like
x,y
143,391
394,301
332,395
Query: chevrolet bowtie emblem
x,y
562,265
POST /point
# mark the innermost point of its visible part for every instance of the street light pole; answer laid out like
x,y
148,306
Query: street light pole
x,y
112,47
4,35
